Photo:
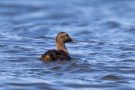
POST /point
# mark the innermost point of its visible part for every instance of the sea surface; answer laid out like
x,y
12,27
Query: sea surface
x,y
103,54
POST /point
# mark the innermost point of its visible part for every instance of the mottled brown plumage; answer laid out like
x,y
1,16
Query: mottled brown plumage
x,y
61,52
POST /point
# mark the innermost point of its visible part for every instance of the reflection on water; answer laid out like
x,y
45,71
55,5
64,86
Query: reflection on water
x,y
102,58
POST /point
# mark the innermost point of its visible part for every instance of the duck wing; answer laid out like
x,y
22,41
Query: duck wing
x,y
50,55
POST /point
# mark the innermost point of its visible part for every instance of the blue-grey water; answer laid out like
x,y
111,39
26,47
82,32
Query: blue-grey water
x,y
103,57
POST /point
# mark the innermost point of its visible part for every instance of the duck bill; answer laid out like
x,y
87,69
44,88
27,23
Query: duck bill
x,y
71,40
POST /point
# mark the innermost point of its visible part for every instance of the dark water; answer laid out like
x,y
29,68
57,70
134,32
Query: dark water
x,y
103,57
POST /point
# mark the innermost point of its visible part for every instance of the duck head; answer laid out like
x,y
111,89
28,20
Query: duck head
x,y
63,37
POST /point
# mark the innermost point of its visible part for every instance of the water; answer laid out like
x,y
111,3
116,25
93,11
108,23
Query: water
x,y
103,58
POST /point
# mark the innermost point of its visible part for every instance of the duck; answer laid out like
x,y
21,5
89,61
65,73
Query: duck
x,y
61,52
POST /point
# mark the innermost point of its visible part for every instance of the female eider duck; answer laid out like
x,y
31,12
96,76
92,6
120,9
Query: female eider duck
x,y
61,52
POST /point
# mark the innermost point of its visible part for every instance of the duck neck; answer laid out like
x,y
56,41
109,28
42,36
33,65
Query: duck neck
x,y
61,46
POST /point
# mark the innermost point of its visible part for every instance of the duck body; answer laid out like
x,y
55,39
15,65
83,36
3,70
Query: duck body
x,y
54,55
61,52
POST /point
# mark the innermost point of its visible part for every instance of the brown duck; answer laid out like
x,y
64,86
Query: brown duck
x,y
61,52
